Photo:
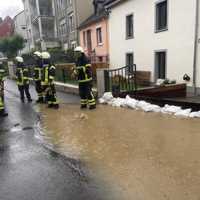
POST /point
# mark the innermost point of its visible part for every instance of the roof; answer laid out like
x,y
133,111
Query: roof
x,y
93,19
18,14
108,2
111,3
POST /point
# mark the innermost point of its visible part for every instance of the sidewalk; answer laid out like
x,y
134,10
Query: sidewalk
x,y
63,97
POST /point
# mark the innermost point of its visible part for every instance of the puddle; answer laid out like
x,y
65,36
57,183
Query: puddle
x,y
139,156
16,129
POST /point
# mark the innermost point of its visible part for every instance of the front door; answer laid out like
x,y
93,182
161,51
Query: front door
x,y
89,41
160,65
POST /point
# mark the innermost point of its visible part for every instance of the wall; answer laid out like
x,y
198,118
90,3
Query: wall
x,y
84,10
198,55
101,50
178,40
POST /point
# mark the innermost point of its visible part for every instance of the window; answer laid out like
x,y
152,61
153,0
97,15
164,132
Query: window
x,y
71,23
160,64
100,59
161,16
99,36
70,2
129,26
73,45
84,38
129,62
63,27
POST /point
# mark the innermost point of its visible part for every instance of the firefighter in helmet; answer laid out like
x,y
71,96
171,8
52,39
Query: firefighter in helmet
x,y
2,78
83,72
23,79
38,76
48,77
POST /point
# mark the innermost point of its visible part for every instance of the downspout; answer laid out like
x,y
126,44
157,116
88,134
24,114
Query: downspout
x,y
196,47
77,23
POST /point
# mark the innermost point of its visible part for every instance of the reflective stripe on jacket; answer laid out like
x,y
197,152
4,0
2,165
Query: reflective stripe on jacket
x,y
49,73
45,75
2,74
84,73
37,74
22,76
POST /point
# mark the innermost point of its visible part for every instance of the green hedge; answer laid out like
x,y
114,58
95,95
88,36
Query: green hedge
x,y
57,56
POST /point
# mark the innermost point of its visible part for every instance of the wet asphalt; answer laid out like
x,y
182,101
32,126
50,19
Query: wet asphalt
x,y
28,169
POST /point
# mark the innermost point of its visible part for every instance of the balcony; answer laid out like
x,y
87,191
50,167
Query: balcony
x,y
45,10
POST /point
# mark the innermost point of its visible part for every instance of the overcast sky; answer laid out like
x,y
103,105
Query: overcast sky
x,y
10,7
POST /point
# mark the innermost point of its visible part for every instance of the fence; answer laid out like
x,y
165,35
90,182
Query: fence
x,y
64,73
121,80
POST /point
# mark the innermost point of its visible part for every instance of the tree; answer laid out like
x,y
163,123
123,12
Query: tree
x,y
11,45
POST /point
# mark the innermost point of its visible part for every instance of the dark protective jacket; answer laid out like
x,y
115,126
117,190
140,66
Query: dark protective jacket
x,y
22,74
38,71
83,69
48,74
2,78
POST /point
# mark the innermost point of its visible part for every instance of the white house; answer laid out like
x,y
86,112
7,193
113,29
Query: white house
x,y
161,36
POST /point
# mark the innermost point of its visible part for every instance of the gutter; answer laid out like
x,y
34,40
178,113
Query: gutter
x,y
110,5
196,47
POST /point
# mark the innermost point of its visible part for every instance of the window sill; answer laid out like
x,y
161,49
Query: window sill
x,y
100,44
129,38
162,30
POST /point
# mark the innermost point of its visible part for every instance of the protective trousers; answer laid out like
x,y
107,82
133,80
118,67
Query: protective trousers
x,y
51,96
39,91
1,104
24,89
86,94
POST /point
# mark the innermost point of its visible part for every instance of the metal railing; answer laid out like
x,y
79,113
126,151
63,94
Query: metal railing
x,y
121,79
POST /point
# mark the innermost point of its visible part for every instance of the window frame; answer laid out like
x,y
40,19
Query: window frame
x,y
156,64
126,28
126,59
84,39
99,43
156,30
71,25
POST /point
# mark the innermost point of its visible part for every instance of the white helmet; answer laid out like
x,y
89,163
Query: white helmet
x,y
38,54
79,49
19,59
46,55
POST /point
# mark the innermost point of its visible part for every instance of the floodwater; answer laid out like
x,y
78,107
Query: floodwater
x,y
139,156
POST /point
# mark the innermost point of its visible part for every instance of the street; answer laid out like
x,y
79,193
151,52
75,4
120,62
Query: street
x,y
105,154
28,169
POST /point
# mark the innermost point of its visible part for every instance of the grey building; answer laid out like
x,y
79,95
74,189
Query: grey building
x,y
69,15
41,23
20,28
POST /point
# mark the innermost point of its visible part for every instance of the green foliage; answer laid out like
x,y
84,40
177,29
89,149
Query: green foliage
x,y
11,45
60,56
70,56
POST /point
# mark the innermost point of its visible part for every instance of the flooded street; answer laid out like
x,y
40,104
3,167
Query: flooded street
x,y
137,155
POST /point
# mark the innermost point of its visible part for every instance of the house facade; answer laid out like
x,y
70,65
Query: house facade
x,y
159,36
69,15
6,27
20,28
41,23
94,34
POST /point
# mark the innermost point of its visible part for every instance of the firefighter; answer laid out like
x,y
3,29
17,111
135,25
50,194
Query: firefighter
x,y
23,79
2,78
83,72
48,77
38,76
